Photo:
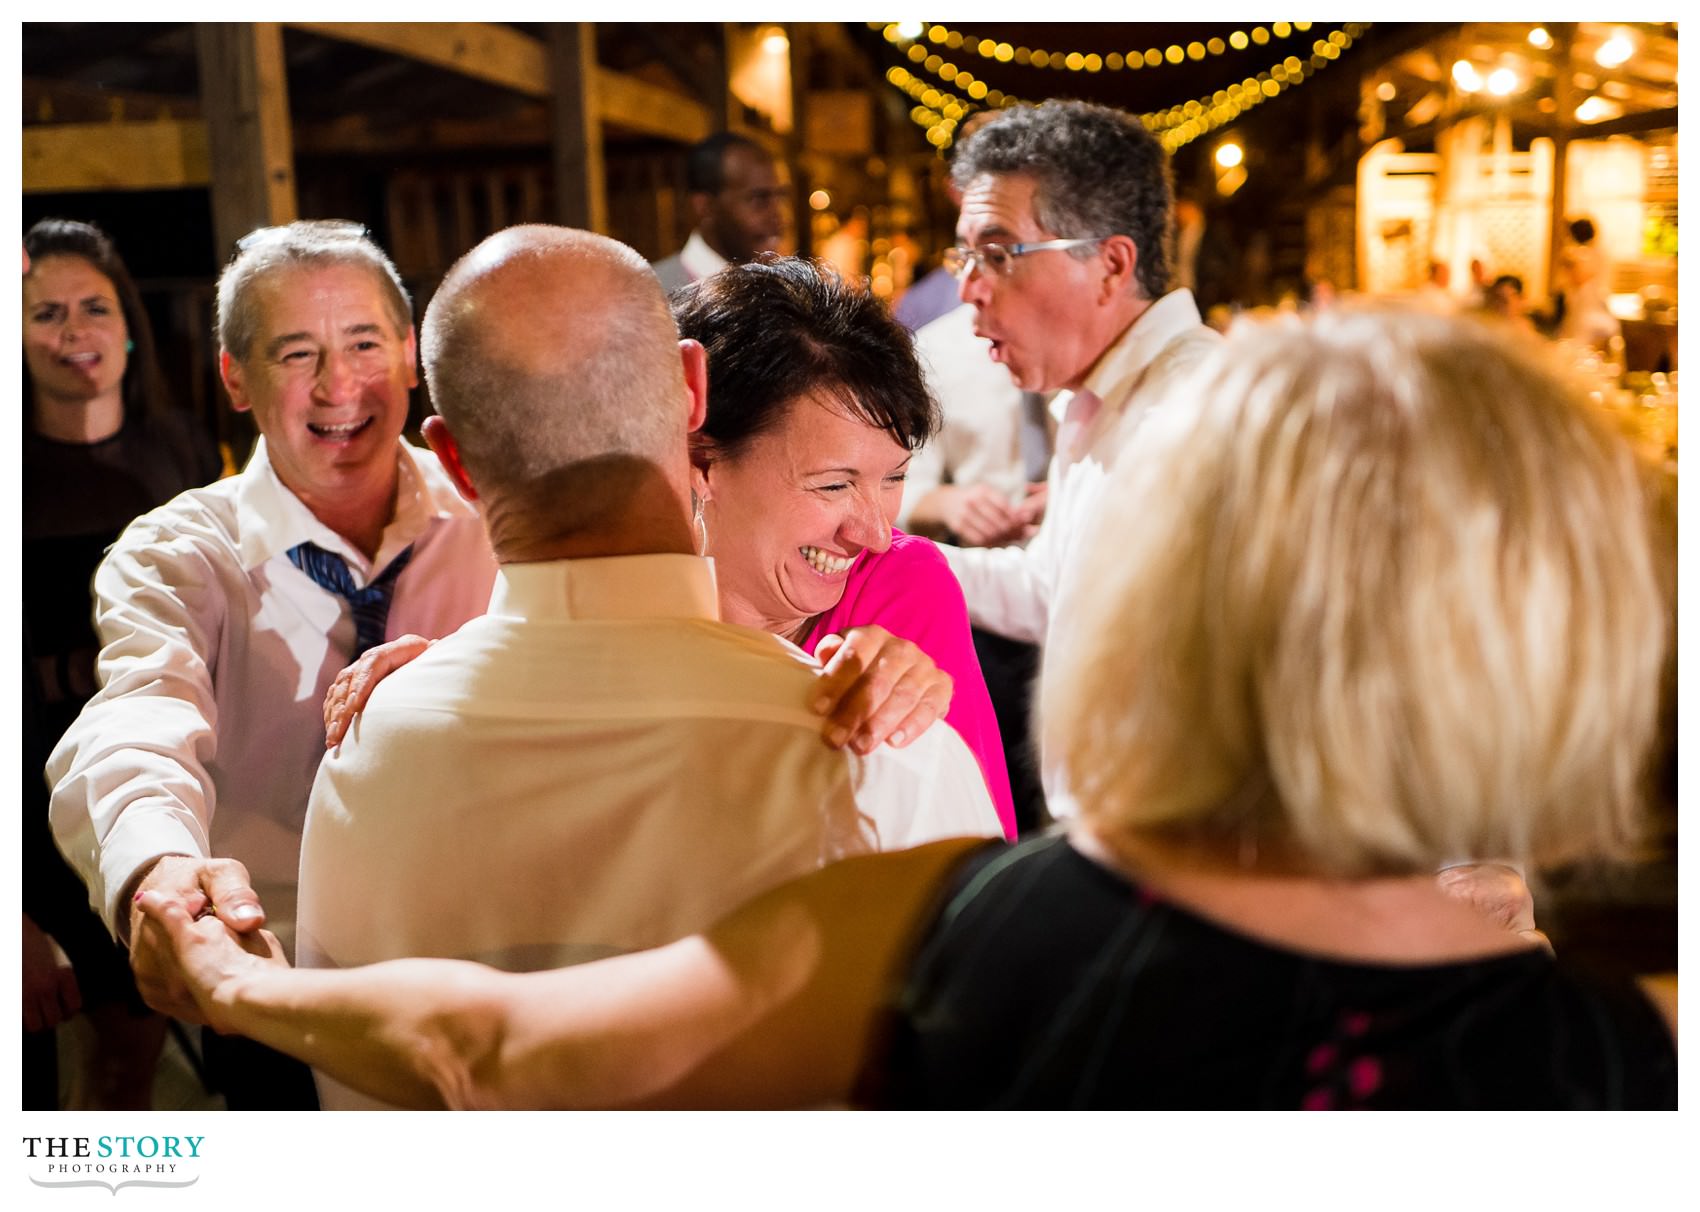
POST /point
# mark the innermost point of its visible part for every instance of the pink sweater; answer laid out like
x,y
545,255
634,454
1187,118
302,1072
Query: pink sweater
x,y
910,591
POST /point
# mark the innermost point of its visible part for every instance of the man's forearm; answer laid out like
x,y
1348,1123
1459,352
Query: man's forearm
x,y
1005,591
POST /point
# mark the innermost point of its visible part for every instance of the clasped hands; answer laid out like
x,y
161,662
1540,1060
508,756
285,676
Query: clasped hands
x,y
194,923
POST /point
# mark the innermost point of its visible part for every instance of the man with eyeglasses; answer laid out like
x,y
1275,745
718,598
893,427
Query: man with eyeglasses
x,y
1065,249
737,196
225,613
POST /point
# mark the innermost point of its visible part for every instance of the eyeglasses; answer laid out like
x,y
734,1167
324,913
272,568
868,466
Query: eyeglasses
x,y
999,259
345,229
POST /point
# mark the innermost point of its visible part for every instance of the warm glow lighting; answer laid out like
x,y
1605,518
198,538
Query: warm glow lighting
x,y
1229,155
1539,37
1386,91
1465,77
1502,82
1597,109
910,29
774,42
1615,50
820,199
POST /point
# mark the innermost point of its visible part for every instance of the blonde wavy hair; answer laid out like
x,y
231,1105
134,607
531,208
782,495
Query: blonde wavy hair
x,y
1380,589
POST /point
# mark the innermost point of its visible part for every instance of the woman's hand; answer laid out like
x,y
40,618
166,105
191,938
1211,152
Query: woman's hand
x,y
354,685
1496,891
50,986
878,689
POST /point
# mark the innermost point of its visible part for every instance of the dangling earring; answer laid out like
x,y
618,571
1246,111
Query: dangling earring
x,y
129,346
701,526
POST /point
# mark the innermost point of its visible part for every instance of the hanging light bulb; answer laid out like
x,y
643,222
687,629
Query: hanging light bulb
x,y
1502,82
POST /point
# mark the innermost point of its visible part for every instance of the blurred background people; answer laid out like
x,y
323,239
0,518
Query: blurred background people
x,y
935,294
1204,260
101,445
1435,294
1289,691
738,196
1504,301
1583,282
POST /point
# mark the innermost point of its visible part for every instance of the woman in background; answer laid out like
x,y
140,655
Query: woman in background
x,y
101,447
1379,591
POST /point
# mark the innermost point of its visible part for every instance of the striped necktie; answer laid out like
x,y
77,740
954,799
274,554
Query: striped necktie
x,y
370,606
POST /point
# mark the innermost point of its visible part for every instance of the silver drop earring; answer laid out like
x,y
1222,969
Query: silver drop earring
x,y
699,524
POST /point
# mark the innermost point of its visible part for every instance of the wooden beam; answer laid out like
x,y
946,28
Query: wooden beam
x,y
72,157
581,189
355,134
1629,124
245,98
505,57
637,105
479,49
65,101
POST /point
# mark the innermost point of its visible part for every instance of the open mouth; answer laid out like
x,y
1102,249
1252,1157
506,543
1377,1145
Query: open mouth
x,y
825,564
82,361
339,433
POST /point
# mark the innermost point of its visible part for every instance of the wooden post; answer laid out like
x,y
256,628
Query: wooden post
x,y
725,108
245,97
1563,122
581,189
797,33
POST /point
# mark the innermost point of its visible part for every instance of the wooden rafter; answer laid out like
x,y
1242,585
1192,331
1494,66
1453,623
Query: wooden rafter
x,y
479,49
513,60
68,157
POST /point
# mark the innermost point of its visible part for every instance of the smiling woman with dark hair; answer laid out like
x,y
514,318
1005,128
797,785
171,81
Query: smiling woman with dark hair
x,y
100,447
815,403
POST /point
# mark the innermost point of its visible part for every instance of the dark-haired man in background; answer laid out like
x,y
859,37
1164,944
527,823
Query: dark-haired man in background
x,y
737,194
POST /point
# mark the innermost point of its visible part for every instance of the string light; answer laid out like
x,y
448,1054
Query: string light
x,y
898,32
941,112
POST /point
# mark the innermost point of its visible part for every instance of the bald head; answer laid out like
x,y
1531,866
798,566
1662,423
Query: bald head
x,y
548,348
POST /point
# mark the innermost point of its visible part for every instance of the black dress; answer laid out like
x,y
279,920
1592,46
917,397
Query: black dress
x,y
1049,981
77,499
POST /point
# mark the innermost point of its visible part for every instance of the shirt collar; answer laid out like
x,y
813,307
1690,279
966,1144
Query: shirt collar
x,y
699,260
271,519
1118,368
667,586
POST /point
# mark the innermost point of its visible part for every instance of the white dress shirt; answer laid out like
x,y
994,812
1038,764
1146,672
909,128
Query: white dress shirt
x,y
1022,592
980,439
1013,590
216,652
695,261
596,766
